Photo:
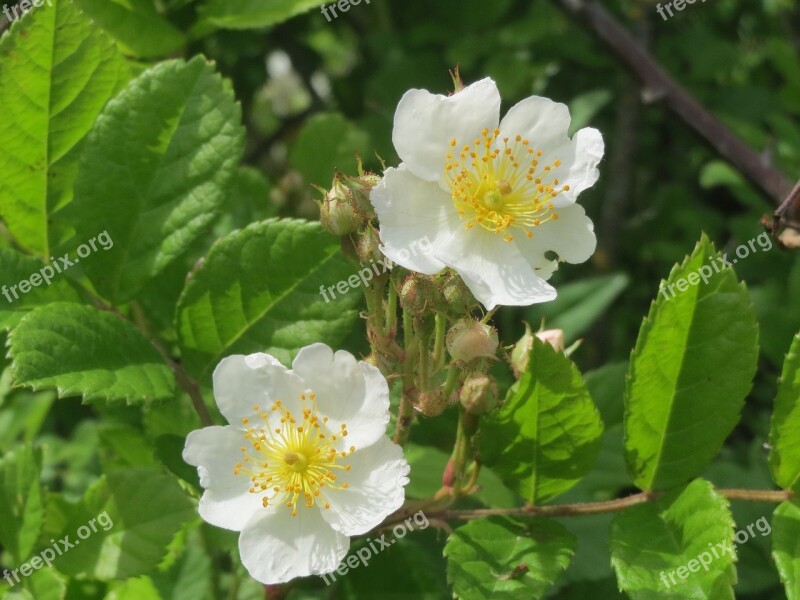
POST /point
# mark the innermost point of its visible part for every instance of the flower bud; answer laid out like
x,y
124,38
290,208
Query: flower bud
x,y
432,403
478,395
337,211
468,340
522,350
418,294
554,337
359,189
456,293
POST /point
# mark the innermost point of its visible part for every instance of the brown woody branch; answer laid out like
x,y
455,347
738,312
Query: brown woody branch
x,y
658,85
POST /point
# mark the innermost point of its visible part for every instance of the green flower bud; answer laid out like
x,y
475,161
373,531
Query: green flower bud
x,y
468,340
456,293
478,395
337,211
418,294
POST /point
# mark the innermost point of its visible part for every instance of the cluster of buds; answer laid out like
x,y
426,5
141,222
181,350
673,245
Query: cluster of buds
x,y
345,208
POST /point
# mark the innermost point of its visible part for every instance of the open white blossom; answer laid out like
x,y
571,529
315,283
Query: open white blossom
x,y
305,462
493,197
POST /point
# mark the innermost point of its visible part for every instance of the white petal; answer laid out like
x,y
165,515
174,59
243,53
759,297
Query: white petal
x,y
416,216
424,124
541,121
226,501
347,392
494,270
571,237
240,382
588,149
276,547
376,482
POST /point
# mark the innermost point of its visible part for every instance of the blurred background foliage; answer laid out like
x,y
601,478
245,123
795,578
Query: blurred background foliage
x,y
315,92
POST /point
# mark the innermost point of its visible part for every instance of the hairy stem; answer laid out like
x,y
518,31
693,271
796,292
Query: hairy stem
x,y
593,508
405,414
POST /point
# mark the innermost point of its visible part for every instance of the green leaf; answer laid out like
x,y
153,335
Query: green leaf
x,y
21,501
413,567
691,369
140,588
169,450
144,509
247,14
155,171
244,299
427,466
786,547
607,387
501,559
190,577
80,350
546,435
46,584
135,24
784,456
579,304
327,142
14,304
679,546
57,72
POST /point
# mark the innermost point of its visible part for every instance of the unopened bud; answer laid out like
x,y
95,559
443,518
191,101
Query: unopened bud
x,y
522,350
456,293
468,340
337,211
360,188
554,337
418,294
432,403
478,395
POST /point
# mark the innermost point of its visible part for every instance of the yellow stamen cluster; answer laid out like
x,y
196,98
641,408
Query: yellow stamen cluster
x,y
499,184
296,459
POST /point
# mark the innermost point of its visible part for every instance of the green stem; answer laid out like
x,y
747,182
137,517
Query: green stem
x,y
405,413
460,452
438,341
452,381
391,308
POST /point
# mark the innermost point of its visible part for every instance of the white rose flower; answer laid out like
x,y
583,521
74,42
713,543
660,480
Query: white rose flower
x,y
305,462
492,198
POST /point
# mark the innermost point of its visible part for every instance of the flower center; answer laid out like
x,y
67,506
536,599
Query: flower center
x,y
292,461
500,185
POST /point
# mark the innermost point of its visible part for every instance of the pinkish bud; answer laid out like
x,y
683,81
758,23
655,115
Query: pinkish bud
x,y
522,349
468,340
